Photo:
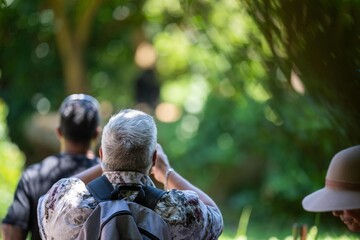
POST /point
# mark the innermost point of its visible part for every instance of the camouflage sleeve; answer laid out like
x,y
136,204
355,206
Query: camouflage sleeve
x,y
188,217
63,210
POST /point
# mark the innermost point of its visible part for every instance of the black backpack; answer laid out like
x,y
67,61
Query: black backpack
x,y
116,218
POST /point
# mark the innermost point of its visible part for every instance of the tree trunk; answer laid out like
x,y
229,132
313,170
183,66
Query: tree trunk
x,y
72,41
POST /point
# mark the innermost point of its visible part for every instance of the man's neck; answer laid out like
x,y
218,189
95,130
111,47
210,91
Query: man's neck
x,y
76,148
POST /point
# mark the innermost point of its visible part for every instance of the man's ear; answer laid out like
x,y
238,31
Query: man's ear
x,y
100,153
59,132
97,132
154,158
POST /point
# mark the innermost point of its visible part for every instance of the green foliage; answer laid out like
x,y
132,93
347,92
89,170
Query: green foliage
x,y
318,40
246,133
11,161
29,65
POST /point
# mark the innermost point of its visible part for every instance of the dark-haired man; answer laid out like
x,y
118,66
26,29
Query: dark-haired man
x,y
78,129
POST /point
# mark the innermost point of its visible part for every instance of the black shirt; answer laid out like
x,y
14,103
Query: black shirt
x,y
35,181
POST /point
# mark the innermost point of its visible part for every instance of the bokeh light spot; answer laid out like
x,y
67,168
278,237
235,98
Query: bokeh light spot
x,y
225,141
167,112
42,50
145,56
121,13
43,106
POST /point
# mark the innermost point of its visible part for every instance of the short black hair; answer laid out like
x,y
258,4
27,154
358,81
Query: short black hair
x,y
79,117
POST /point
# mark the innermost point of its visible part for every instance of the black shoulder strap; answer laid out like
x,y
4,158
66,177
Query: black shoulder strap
x,y
102,190
150,197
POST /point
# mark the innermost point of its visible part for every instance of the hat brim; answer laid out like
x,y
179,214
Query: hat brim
x,y
327,200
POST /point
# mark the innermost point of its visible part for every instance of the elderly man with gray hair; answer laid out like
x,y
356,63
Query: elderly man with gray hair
x,y
129,154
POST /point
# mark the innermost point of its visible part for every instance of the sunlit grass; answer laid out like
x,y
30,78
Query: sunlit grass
x,y
229,236
259,233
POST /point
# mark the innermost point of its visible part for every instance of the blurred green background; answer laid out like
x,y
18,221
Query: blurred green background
x,y
252,98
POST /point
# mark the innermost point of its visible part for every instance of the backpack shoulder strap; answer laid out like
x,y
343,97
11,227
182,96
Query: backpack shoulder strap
x,y
149,197
100,188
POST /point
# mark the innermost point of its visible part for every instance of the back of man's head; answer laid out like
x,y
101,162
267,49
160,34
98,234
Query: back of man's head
x,y
79,118
128,142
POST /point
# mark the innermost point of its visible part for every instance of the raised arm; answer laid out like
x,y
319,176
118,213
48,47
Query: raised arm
x,y
164,174
89,174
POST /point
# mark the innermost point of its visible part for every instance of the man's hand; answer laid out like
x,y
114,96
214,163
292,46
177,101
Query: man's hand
x,y
161,165
175,180
10,232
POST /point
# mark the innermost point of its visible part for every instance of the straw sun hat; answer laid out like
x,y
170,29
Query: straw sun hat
x,y
342,184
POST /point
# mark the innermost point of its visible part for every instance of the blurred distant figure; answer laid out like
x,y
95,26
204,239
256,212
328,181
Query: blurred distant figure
x,y
79,127
147,89
341,193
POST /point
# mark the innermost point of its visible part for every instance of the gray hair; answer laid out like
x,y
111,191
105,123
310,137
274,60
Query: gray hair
x,y
129,141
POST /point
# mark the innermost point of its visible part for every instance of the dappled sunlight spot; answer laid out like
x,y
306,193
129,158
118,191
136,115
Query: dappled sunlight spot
x,y
153,9
43,106
256,67
219,39
187,128
238,29
174,92
257,92
313,232
253,55
191,93
273,238
156,8
296,83
196,95
193,104
47,17
286,238
8,2
42,50
121,13
172,58
244,68
204,41
3,114
280,75
182,135
225,141
222,63
3,131
280,51
226,88
272,116
145,55
41,103
167,112
241,238
190,124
